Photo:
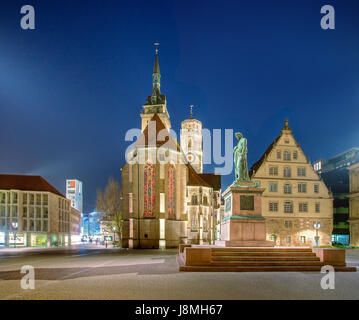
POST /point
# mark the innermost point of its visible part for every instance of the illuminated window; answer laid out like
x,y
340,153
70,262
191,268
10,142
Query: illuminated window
x,y
194,223
302,239
149,190
130,206
171,191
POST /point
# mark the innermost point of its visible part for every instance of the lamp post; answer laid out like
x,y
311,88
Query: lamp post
x,y
114,229
14,225
316,225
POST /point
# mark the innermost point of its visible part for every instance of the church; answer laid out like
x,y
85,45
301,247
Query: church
x,y
167,200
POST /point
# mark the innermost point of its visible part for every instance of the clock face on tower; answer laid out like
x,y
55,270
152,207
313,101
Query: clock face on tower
x,y
190,157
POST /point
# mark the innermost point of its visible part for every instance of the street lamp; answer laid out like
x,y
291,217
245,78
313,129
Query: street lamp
x,y
14,225
114,229
316,226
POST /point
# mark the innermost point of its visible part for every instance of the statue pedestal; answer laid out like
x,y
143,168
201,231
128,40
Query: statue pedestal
x,y
243,224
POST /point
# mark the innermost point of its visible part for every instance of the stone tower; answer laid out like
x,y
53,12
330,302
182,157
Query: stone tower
x,y
156,102
191,142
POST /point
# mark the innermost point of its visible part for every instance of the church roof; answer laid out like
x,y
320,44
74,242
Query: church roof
x,y
195,179
214,180
26,183
152,139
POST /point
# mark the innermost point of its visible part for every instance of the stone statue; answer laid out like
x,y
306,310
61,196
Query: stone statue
x,y
240,158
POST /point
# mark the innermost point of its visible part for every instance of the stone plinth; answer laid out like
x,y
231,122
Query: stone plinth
x,y
243,224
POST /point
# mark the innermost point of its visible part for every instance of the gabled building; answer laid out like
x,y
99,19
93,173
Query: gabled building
x,y
166,199
34,213
295,197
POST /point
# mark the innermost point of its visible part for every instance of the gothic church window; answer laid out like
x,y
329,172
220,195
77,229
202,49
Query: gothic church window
x,y
149,190
171,191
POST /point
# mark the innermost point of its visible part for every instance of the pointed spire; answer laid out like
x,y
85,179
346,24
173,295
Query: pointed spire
x,y
191,111
156,75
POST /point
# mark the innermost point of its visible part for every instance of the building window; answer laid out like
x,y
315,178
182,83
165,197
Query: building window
x,y
302,187
194,223
130,203
2,197
288,240
45,212
295,155
194,199
273,186
287,172
287,188
317,207
24,225
273,238
38,199
130,173
171,176
316,188
24,198
205,201
288,224
45,199
14,197
303,207
149,190
301,172
288,207
38,212
205,225
286,155
273,206
273,171
278,155
302,239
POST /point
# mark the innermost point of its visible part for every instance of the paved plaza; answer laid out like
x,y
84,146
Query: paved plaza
x,y
93,272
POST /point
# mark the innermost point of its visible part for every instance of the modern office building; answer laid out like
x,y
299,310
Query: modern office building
x,y
335,174
74,193
34,213
296,204
354,204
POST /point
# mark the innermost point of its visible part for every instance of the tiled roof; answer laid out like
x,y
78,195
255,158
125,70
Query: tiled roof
x,y
194,179
149,139
212,179
26,183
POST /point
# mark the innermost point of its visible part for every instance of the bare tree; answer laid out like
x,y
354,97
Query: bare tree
x,y
109,202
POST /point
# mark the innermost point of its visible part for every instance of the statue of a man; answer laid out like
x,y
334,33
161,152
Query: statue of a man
x,y
240,158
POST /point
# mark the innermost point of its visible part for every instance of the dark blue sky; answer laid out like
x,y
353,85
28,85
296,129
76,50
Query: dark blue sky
x,y
70,89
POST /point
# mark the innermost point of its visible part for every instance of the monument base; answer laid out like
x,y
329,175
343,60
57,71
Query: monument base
x,y
244,231
244,243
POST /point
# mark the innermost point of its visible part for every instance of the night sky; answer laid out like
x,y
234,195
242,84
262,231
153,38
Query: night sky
x,y
71,88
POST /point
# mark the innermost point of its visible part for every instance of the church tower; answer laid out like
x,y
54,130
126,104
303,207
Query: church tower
x,y
191,142
156,102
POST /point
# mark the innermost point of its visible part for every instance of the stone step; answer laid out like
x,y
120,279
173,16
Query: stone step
x,y
266,263
265,258
266,249
263,253
261,269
